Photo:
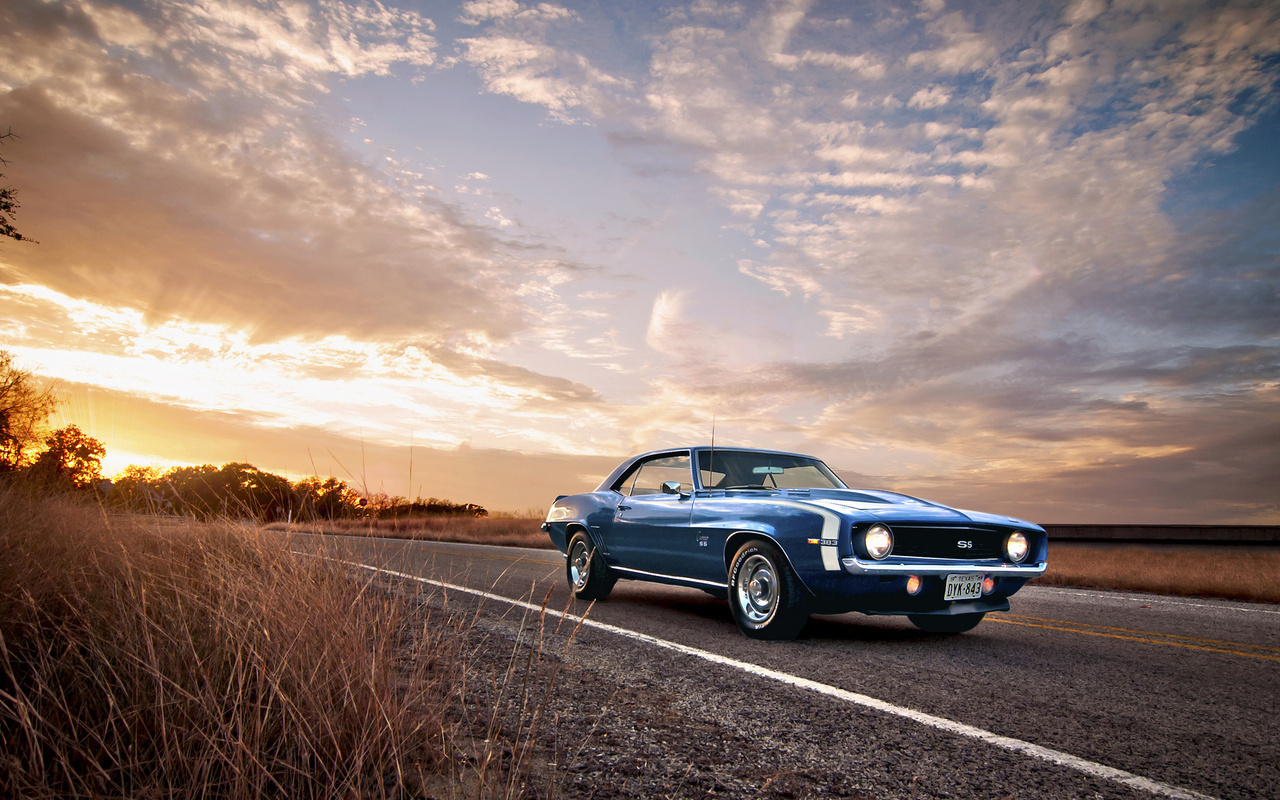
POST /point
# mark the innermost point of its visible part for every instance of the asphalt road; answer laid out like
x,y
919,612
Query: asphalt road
x,y
1179,694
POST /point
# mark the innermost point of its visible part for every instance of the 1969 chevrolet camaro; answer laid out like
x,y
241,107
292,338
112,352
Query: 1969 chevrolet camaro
x,y
782,537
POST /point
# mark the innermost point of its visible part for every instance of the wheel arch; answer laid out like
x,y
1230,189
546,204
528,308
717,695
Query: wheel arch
x,y
735,541
574,526
589,575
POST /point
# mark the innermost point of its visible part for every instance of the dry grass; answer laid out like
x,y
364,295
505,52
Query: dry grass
x,y
1221,572
147,660
505,531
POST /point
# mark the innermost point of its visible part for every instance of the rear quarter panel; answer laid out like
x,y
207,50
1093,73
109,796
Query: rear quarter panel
x,y
593,511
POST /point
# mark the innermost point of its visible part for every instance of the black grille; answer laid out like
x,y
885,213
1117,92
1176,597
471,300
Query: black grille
x,y
936,542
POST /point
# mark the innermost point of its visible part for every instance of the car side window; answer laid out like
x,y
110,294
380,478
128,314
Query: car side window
x,y
648,476
625,483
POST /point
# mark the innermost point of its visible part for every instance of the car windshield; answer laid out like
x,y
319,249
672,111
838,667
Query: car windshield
x,y
737,469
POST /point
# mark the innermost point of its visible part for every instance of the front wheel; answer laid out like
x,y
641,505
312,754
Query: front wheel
x,y
765,596
589,577
935,623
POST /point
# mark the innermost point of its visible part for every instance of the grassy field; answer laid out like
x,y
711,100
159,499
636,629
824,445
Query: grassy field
x,y
1195,572
1198,572
143,657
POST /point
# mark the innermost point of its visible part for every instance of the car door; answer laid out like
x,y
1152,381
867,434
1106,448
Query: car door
x,y
650,531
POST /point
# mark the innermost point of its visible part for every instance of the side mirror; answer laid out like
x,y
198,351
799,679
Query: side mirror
x,y
671,487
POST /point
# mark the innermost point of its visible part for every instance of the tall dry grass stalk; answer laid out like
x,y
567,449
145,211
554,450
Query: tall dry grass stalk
x,y
140,660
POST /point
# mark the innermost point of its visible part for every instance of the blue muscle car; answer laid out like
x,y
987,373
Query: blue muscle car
x,y
782,537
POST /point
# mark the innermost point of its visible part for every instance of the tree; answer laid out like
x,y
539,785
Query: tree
x,y
193,490
327,499
246,490
71,459
9,204
140,490
24,411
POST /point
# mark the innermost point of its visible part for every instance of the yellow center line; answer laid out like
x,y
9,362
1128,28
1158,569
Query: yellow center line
x,y
1136,639
1145,633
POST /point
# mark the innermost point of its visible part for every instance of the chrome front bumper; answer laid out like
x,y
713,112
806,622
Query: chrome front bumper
x,y
907,565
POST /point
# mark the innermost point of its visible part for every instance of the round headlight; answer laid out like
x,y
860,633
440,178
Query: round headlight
x,y
879,541
1017,547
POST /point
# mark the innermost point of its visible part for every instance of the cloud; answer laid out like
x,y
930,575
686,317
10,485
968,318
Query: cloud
x,y
335,382
960,48
473,13
665,333
130,159
263,250
841,323
515,53
1136,463
932,97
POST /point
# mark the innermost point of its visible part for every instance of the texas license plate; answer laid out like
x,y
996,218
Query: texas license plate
x,y
963,587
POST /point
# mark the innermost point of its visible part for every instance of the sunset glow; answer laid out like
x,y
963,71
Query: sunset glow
x,y
1019,257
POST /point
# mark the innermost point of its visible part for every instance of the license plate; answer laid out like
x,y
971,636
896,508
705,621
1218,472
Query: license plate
x,y
963,587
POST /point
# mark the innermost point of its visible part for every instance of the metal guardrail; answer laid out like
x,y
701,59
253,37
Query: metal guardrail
x,y
1167,534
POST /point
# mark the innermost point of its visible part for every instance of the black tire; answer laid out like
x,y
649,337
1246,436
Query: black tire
x,y
936,623
589,577
765,596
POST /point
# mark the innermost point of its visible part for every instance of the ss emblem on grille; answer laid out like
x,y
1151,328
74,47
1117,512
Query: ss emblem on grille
x,y
964,544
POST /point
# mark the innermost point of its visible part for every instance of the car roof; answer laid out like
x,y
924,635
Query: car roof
x,y
693,448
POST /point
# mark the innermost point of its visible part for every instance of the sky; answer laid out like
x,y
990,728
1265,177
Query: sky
x,y
1017,256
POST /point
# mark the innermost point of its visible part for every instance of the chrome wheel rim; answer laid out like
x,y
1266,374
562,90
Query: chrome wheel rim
x,y
757,589
579,563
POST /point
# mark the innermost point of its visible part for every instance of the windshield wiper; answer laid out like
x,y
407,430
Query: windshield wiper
x,y
751,486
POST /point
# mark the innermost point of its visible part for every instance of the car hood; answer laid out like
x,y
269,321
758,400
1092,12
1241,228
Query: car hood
x,y
892,507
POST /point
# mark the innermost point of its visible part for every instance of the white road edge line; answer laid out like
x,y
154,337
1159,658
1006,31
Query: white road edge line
x,y
1145,598
1090,768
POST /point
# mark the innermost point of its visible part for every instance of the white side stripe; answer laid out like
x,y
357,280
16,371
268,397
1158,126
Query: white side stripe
x,y
1091,768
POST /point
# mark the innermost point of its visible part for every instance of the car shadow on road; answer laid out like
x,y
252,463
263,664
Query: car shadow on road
x,y
862,628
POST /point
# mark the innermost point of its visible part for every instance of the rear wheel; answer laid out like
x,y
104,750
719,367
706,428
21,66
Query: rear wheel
x,y
589,577
936,623
765,596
